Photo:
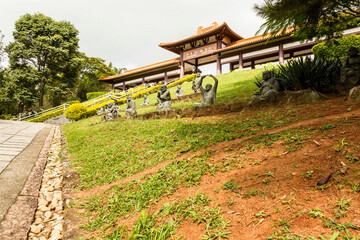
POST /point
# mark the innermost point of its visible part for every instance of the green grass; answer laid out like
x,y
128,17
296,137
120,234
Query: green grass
x,y
153,227
104,153
135,196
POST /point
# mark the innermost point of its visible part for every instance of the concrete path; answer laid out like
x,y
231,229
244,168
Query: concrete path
x,y
14,138
20,146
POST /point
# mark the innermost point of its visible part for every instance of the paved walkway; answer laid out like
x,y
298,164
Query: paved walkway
x,y
14,138
20,146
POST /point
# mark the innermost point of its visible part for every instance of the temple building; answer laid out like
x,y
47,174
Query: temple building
x,y
216,44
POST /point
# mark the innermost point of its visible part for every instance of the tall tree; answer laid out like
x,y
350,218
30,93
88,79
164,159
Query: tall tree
x,y
92,69
48,46
4,91
310,18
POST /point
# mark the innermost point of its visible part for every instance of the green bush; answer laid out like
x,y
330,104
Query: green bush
x,y
92,95
7,116
76,111
307,73
336,48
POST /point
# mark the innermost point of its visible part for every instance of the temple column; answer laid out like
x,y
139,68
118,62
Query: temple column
x,y
252,64
241,61
182,67
143,81
281,53
231,67
196,65
165,77
218,65
124,87
218,60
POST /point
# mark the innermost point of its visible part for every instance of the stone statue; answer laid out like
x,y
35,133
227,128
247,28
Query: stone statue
x,y
350,71
164,99
111,111
179,92
269,86
196,84
146,101
208,93
101,112
131,107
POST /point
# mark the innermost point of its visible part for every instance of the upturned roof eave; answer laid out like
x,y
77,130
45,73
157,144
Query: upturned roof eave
x,y
136,71
253,41
170,45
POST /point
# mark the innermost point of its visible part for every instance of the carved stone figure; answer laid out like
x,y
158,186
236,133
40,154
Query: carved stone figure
x,y
269,85
101,112
131,107
208,94
146,101
111,111
196,84
164,99
350,71
179,92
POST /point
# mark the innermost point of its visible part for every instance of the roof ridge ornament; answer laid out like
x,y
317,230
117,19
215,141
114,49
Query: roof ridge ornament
x,y
200,29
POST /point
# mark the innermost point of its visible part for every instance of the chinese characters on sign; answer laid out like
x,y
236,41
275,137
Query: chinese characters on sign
x,y
200,51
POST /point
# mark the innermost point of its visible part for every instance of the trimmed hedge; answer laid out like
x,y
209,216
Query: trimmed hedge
x,y
336,49
76,111
47,115
147,91
92,95
182,80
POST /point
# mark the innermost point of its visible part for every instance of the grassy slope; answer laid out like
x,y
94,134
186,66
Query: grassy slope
x,y
115,150
156,140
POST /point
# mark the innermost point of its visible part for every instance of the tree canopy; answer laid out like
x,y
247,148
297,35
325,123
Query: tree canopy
x,y
310,18
92,68
339,50
47,46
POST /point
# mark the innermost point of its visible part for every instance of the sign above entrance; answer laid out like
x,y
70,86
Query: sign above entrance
x,y
200,51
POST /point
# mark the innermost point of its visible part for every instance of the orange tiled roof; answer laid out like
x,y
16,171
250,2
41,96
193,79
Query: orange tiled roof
x,y
253,40
202,33
142,69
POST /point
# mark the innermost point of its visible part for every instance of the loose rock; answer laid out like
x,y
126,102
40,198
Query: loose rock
x,y
48,223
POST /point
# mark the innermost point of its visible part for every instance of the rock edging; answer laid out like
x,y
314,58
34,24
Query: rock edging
x,y
49,219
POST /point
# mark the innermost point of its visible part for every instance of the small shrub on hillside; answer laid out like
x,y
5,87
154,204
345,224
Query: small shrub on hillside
x,y
307,73
92,95
76,111
7,116
336,48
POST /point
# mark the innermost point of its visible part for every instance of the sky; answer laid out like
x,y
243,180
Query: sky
x,y
127,33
